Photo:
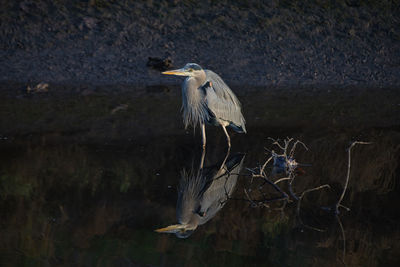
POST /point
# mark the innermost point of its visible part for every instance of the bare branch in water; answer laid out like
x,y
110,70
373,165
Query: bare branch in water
x,y
344,240
284,162
264,165
291,154
276,142
338,204
299,204
282,179
281,162
290,186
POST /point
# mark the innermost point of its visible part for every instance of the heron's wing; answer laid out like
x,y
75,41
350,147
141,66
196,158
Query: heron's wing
x,y
222,186
222,102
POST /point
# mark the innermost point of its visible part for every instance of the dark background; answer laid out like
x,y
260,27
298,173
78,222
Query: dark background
x,y
320,42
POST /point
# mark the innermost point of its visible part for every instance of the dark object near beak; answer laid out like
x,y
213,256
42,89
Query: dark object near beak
x,y
159,64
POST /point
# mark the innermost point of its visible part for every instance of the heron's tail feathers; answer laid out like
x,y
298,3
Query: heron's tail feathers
x,y
238,128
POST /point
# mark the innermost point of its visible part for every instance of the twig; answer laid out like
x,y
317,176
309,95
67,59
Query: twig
x,y
344,240
287,143
291,154
249,198
276,142
277,188
338,204
346,208
299,204
263,202
264,165
290,187
251,170
282,179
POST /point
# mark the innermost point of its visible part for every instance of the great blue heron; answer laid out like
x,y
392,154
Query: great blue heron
x,y
203,193
207,99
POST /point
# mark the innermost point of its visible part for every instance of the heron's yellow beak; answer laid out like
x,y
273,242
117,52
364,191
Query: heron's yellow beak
x,y
178,72
171,229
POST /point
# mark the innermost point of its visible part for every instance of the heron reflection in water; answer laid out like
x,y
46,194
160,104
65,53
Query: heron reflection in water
x,y
203,193
207,99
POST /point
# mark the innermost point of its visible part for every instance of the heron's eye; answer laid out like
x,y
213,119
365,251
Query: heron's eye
x,y
190,70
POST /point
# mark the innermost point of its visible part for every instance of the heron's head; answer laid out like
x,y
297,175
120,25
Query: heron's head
x,y
180,230
190,69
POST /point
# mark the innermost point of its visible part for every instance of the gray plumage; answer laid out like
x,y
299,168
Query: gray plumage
x,y
206,99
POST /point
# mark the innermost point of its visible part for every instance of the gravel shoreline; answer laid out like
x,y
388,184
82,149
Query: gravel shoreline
x,y
281,43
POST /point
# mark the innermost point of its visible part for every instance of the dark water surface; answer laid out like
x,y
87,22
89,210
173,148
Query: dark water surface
x,y
88,174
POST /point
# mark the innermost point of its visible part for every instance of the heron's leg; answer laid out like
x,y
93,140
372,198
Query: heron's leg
x,y
203,154
226,157
227,136
203,134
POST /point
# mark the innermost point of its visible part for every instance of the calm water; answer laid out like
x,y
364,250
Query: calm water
x,y
85,184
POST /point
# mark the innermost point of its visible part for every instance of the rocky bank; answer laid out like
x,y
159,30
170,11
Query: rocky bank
x,y
262,43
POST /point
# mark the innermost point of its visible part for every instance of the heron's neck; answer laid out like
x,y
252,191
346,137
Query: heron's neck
x,y
193,222
193,100
193,84
198,80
